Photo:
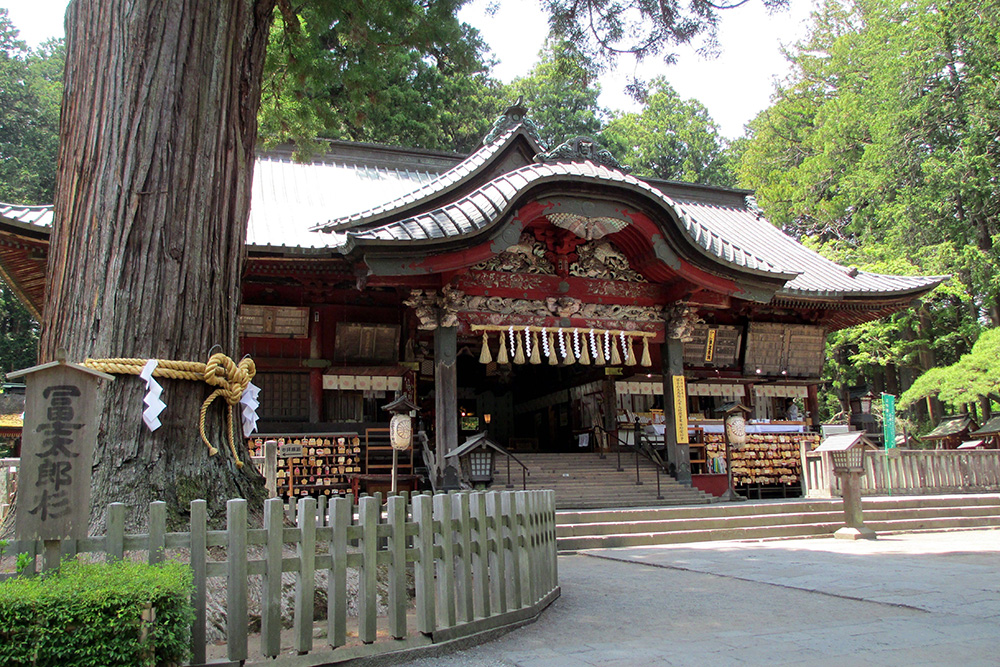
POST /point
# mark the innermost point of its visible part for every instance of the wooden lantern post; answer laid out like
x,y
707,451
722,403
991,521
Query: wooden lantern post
x,y
400,431
57,453
735,434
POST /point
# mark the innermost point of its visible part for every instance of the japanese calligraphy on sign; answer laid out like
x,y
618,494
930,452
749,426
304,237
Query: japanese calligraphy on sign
x,y
57,451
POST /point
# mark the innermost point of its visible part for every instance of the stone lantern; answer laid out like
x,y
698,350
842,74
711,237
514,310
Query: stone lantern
x,y
847,450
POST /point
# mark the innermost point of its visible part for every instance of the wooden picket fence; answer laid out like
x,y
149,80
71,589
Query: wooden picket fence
x,y
908,471
479,561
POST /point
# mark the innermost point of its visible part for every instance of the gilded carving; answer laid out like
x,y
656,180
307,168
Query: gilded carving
x,y
527,256
681,321
558,307
600,259
581,149
433,309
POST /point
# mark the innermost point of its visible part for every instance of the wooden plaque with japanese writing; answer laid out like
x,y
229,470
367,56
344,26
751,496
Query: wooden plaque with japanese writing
x,y
713,346
276,321
57,452
793,350
366,342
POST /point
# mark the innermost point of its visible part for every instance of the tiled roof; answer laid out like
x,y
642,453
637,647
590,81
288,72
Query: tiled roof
x,y
949,426
455,175
474,212
287,197
991,427
818,276
40,216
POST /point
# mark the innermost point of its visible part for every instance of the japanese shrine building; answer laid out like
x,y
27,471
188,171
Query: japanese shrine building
x,y
375,270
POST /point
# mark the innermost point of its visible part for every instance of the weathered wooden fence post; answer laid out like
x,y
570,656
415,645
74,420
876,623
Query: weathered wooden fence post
x,y
480,572
446,565
236,581
270,613
199,598
305,578
463,577
396,518
498,571
341,510
423,569
368,515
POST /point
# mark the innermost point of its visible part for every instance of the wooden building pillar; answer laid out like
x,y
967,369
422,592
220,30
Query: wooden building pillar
x,y
678,454
315,371
446,402
812,406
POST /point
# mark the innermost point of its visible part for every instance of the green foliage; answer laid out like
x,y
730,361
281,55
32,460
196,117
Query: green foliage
x,y
975,375
670,138
880,145
30,94
91,614
384,71
606,29
18,334
561,92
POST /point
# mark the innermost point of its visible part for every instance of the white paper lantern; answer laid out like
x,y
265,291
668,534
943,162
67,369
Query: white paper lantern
x,y
400,432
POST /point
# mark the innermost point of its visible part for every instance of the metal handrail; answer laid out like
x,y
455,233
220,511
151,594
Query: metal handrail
x,y
639,447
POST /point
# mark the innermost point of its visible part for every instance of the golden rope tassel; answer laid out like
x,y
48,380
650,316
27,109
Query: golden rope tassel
x,y
630,357
599,359
536,356
570,359
485,357
502,357
519,355
646,361
584,352
616,359
553,357
229,378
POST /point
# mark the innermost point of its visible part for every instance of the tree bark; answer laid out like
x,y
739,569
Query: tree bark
x,y
158,131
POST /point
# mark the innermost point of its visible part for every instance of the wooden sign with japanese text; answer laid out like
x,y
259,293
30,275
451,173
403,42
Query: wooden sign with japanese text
x,y
680,409
57,452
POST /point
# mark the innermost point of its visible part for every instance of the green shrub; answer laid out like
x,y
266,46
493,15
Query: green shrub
x,y
91,614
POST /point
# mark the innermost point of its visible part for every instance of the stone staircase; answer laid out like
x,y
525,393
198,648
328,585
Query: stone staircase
x,y
591,529
583,480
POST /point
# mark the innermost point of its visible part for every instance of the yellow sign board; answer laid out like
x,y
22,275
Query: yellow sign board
x,y
680,409
710,345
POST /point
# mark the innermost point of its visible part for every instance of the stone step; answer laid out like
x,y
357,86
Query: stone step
x,y
767,520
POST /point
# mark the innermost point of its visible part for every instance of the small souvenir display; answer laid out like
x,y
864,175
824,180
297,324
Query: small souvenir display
x,y
324,468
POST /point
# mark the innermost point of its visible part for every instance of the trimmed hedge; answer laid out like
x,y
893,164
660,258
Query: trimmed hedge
x,y
91,614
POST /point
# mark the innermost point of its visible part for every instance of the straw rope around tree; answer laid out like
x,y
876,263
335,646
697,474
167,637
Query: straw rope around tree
x,y
228,377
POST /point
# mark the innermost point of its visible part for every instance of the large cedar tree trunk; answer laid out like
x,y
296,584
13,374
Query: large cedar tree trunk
x,y
157,142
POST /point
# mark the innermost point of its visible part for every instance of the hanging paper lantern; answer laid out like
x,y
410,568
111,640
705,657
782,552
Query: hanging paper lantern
x,y
502,352
485,357
400,432
646,359
535,356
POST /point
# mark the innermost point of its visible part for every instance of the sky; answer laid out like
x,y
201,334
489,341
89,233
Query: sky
x,y
734,86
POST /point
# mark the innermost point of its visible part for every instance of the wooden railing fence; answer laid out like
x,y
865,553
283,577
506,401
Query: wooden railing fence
x,y
478,561
8,482
906,471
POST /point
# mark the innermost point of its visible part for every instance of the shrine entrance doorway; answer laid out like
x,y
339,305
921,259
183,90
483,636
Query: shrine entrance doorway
x,y
542,406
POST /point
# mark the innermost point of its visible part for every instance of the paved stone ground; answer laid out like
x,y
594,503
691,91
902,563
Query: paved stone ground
x,y
913,599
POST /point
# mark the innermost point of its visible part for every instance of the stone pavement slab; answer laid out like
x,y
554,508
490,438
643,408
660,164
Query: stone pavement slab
x,y
915,599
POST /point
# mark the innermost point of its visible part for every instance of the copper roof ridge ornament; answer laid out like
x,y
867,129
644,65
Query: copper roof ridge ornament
x,y
514,115
581,149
